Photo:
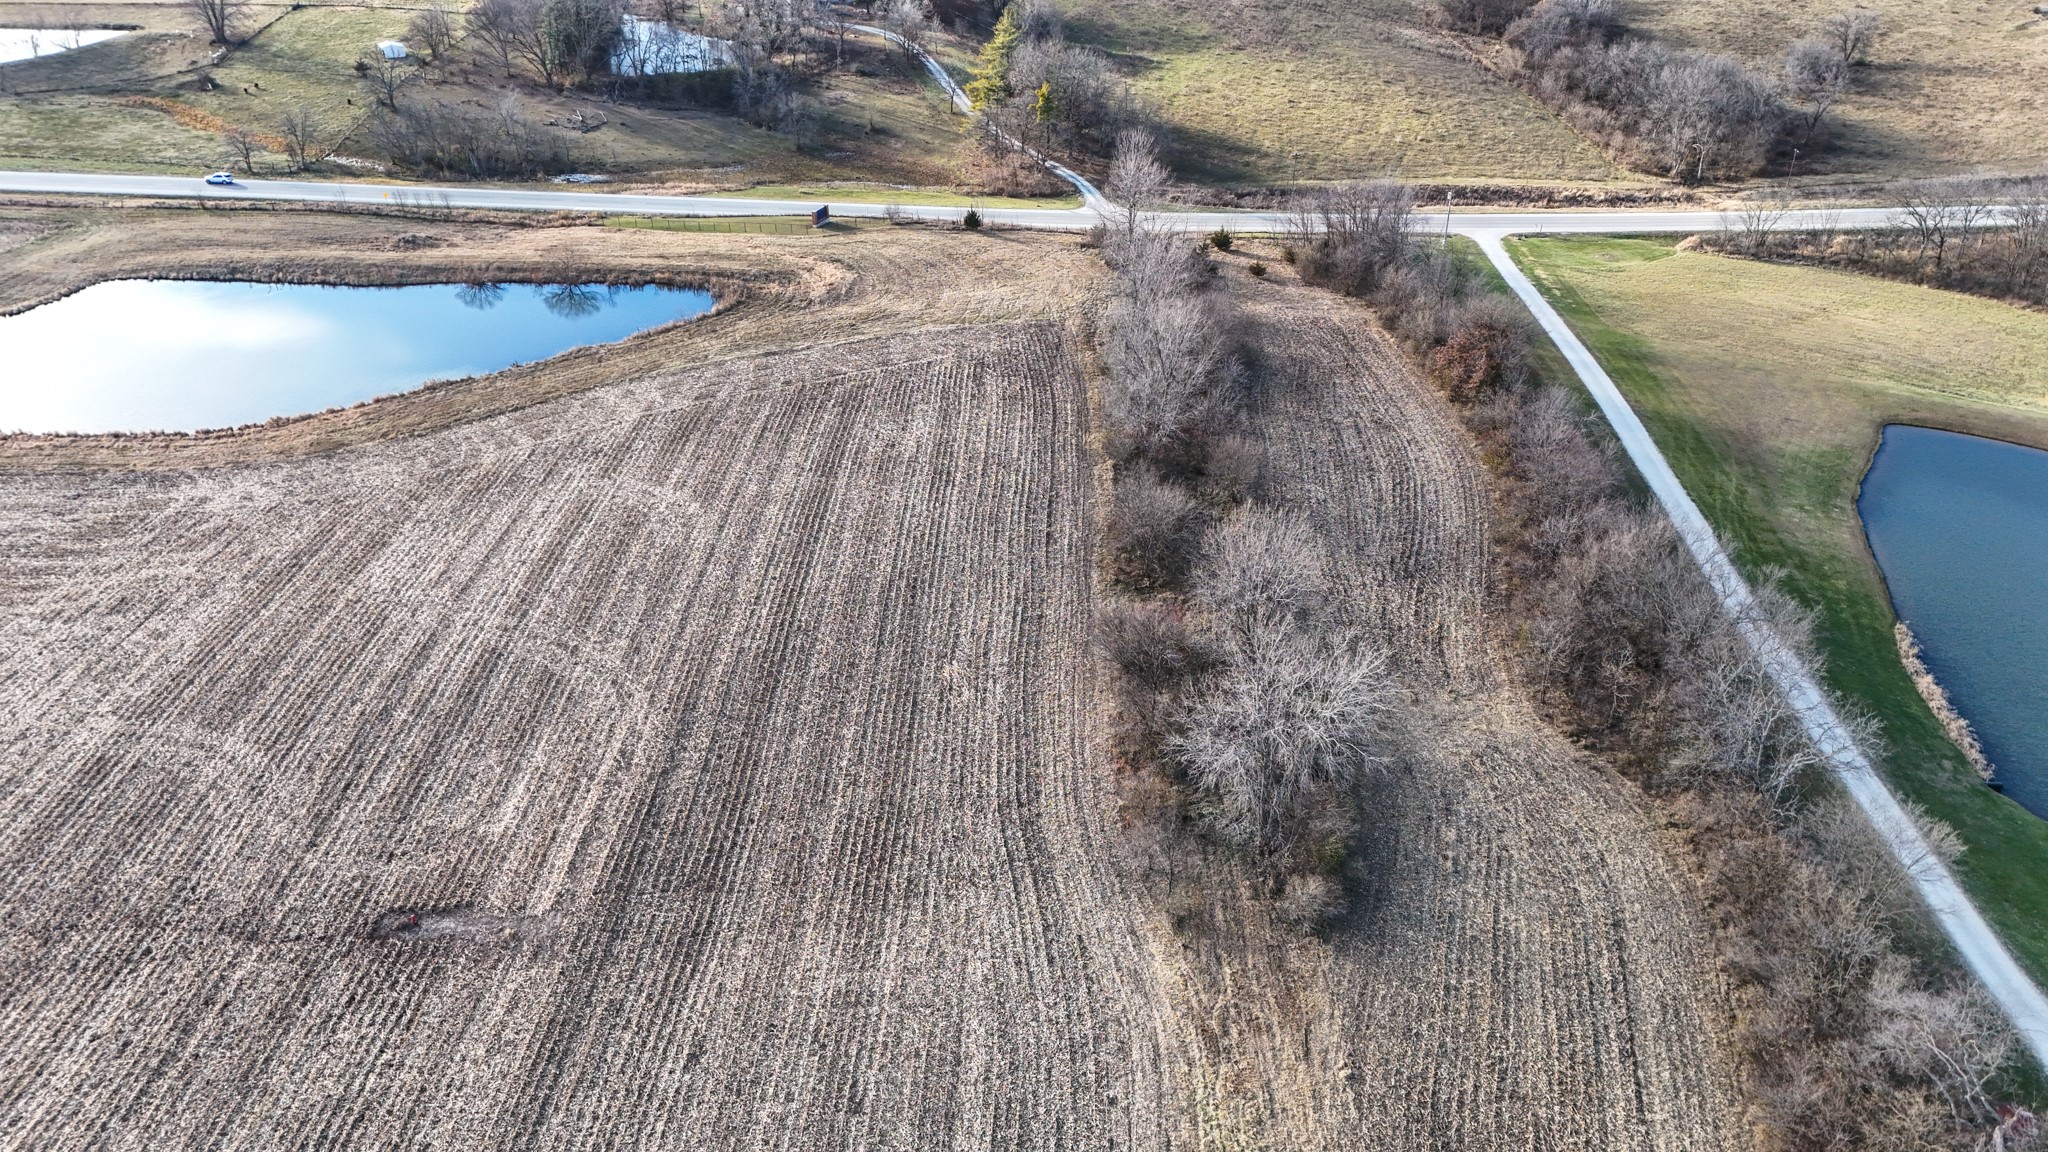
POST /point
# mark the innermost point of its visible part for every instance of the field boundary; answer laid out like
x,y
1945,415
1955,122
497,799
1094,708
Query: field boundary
x,y
2016,994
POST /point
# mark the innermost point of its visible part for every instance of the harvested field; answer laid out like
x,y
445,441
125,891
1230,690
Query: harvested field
x,y
693,743
718,721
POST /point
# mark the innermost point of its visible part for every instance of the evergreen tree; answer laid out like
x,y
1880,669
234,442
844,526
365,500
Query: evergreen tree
x,y
991,77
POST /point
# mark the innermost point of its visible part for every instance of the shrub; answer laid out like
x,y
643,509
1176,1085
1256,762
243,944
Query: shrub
x,y
1151,533
1309,901
1232,467
1149,641
1477,17
1172,367
1221,239
1077,99
1488,349
1257,269
1689,115
1349,235
446,139
971,221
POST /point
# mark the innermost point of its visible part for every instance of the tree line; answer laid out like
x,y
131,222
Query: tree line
x,y
1970,234
1242,690
1691,116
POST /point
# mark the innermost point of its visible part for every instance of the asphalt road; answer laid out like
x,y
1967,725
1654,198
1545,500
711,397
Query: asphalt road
x,y
1075,219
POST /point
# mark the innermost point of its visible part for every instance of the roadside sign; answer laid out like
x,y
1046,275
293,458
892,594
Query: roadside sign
x,y
821,216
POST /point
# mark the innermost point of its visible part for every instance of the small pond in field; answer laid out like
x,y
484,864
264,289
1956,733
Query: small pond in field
x,y
29,43
182,355
1959,524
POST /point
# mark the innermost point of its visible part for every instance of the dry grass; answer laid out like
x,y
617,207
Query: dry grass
x,y
1279,90
720,703
1955,86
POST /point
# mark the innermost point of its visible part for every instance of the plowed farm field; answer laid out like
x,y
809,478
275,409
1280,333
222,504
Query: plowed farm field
x,y
696,744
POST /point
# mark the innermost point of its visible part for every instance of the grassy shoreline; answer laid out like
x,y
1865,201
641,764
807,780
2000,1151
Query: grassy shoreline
x,y
1770,417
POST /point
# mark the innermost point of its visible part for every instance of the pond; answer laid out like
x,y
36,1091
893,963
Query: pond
x,y
1959,524
29,43
653,48
179,356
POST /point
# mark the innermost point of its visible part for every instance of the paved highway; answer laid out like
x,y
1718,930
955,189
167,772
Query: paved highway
x,y
368,194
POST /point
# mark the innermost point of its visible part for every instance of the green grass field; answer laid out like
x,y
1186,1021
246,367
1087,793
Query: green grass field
x,y
1767,386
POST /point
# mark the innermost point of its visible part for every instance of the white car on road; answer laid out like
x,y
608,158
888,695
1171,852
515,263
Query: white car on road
x,y
221,178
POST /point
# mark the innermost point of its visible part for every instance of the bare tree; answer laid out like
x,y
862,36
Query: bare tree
x,y
1137,179
222,19
1262,568
1148,640
1939,212
432,32
1296,717
1816,77
460,139
561,40
909,19
301,132
496,26
1173,370
1853,35
242,148
1956,1040
2026,270
387,75
1351,235
1757,221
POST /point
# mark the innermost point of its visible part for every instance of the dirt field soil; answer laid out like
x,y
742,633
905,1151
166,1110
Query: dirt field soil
x,y
693,743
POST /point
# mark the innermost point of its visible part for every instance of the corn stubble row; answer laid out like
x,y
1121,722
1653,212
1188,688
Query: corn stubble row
x,y
694,763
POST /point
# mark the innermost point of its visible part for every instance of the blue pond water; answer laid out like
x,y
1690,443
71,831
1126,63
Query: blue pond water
x,y
163,355
1959,525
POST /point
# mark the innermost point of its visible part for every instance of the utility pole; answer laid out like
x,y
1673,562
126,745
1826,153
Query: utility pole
x,y
1447,217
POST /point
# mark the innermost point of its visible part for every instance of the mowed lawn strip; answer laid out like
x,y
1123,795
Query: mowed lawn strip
x,y
1767,387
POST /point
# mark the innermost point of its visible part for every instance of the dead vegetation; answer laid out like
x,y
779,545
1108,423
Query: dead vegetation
x,y
1982,236
1385,884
